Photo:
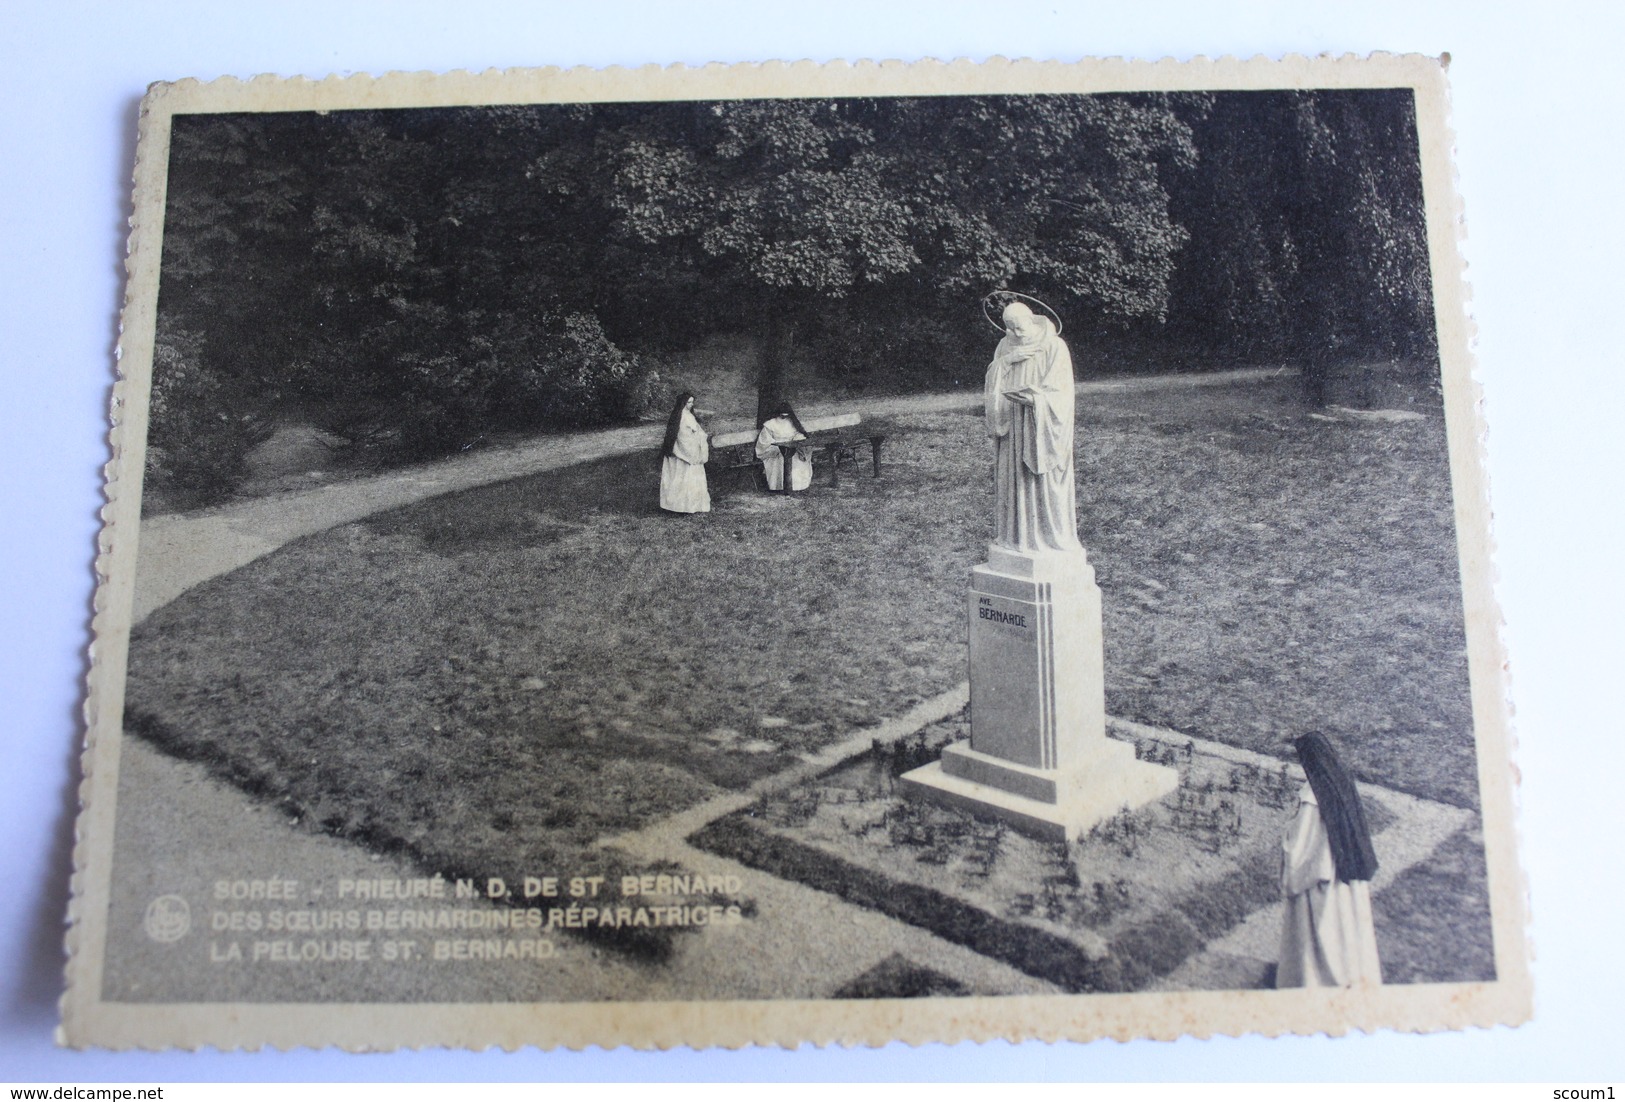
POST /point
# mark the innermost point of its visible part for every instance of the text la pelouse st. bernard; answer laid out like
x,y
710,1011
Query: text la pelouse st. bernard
x,y
286,921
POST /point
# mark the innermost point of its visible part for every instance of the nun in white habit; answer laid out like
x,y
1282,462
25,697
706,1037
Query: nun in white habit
x,y
682,468
1328,938
783,427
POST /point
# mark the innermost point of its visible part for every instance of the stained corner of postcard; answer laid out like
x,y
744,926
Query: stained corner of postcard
x,y
796,553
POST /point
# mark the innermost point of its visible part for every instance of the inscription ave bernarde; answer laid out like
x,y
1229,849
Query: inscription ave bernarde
x,y
1038,755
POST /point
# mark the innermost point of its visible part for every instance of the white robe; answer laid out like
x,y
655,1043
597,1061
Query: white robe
x,y
682,474
1035,495
1328,938
780,430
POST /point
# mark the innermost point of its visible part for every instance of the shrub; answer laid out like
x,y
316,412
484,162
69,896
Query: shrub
x,y
560,373
200,428
648,395
577,376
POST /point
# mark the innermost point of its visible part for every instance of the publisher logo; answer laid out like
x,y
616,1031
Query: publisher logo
x,y
168,918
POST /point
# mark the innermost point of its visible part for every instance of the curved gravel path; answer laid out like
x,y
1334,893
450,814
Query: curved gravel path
x,y
178,551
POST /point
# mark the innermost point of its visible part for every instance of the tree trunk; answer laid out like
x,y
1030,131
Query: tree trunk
x,y
773,359
1314,376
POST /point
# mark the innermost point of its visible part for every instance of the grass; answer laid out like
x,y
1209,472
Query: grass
x,y
494,679
1267,573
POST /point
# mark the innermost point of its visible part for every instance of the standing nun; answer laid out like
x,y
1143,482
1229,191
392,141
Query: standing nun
x,y
1327,936
682,468
783,427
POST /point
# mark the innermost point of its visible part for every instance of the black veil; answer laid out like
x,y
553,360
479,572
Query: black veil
x,y
1340,808
675,422
783,410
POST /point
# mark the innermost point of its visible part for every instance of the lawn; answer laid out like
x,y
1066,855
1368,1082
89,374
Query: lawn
x,y
492,680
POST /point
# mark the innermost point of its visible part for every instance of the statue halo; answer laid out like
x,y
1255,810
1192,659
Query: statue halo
x,y
1004,297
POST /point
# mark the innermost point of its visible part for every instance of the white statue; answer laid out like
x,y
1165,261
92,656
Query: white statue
x,y
1030,405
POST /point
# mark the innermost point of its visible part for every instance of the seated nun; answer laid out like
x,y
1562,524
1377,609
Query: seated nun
x,y
1328,938
682,469
783,427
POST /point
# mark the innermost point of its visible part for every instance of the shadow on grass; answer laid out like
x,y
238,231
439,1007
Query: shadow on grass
x,y
528,512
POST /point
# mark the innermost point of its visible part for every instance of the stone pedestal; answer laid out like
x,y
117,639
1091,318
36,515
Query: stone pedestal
x,y
1038,754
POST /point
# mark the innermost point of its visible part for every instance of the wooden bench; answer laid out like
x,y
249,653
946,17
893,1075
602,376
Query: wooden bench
x,y
835,449
847,449
733,452
732,459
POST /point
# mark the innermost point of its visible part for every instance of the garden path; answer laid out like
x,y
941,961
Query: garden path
x,y
178,551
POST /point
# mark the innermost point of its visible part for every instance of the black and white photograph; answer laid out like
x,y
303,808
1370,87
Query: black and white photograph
x,y
930,547
701,542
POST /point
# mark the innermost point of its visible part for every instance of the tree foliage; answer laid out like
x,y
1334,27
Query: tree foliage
x,y
791,209
412,279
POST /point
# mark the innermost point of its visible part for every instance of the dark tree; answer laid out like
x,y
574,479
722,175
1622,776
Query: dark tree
x,y
1307,232
787,208
388,275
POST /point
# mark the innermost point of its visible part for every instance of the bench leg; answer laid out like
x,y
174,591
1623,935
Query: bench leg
x,y
874,446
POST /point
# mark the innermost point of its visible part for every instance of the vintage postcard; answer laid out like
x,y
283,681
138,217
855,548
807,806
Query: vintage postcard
x,y
796,553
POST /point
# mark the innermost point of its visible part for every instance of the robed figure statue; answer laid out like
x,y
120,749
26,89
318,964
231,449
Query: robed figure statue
x,y
1038,755
1030,407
